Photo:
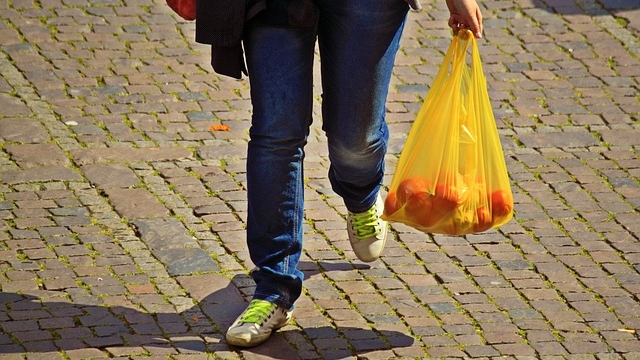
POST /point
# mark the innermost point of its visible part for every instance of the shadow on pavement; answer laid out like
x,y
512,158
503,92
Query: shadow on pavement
x,y
35,325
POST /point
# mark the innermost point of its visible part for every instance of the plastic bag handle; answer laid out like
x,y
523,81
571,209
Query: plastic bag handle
x,y
453,65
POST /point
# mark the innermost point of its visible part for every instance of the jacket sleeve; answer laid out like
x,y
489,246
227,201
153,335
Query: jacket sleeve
x,y
220,24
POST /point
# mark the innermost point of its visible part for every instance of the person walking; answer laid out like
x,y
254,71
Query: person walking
x,y
357,42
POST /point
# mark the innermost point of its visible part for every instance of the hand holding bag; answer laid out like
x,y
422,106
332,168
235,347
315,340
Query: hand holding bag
x,y
452,177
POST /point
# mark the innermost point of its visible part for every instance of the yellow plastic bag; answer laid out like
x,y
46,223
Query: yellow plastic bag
x,y
451,177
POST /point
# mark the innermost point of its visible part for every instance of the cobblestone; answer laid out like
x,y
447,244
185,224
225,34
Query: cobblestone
x,y
122,212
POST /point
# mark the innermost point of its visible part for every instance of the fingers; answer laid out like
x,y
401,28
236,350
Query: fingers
x,y
465,14
477,29
457,27
453,24
457,23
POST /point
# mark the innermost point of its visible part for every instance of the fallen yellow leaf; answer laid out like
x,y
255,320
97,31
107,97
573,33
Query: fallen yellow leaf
x,y
221,127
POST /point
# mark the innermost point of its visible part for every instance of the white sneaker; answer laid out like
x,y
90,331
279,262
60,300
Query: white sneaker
x,y
368,232
255,325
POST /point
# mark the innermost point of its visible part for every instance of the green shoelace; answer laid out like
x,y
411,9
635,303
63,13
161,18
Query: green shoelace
x,y
258,312
365,224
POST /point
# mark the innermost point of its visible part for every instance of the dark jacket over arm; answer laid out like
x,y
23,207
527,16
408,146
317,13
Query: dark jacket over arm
x,y
220,23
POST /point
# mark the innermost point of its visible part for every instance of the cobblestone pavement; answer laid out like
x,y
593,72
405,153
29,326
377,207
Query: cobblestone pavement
x,y
122,210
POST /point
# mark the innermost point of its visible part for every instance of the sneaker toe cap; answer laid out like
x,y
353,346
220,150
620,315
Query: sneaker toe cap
x,y
368,250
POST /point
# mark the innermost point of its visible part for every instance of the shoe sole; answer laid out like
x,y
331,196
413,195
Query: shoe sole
x,y
241,342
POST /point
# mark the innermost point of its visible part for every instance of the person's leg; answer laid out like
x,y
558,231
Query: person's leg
x,y
280,65
358,42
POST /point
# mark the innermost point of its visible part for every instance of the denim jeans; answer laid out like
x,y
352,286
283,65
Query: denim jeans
x,y
357,41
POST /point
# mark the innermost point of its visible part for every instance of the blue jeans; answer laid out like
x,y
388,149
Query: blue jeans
x,y
358,41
